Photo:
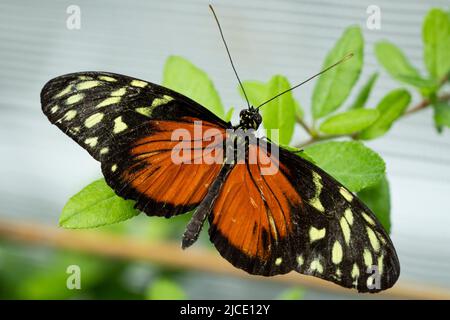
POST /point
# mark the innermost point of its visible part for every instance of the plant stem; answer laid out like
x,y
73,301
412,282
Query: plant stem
x,y
317,137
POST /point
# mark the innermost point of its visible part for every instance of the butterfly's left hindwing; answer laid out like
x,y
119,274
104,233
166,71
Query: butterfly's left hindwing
x,y
126,124
302,219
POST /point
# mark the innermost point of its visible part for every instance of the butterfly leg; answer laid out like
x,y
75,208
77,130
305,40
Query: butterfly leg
x,y
202,211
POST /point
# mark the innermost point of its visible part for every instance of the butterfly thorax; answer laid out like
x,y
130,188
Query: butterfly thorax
x,y
249,119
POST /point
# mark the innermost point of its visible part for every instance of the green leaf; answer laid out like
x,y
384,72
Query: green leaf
x,y
421,83
165,289
184,77
436,39
229,114
334,86
257,91
279,114
396,64
378,199
364,93
391,107
349,122
299,113
441,115
96,205
292,294
350,162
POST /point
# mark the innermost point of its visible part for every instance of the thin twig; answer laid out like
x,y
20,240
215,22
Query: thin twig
x,y
418,107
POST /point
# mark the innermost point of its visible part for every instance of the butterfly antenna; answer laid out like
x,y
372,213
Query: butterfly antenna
x,y
229,55
348,56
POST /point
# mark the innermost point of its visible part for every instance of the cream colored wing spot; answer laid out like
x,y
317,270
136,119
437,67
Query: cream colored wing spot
x,y
118,93
74,130
64,92
316,234
348,214
87,85
161,101
355,274
114,167
336,253
69,115
367,218
104,150
91,142
145,111
84,78
346,194
107,78
108,101
300,260
119,125
75,98
315,201
316,266
345,230
367,256
54,109
94,119
380,264
338,273
278,261
139,83
373,239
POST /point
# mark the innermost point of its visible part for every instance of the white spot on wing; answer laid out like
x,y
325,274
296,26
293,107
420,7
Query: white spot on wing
x,y
118,93
346,194
139,83
107,78
70,115
315,201
54,109
87,84
348,214
345,230
367,258
336,253
367,218
278,261
119,125
75,98
373,239
92,142
316,234
109,101
316,266
93,120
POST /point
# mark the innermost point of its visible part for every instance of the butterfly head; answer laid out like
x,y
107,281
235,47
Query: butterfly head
x,y
250,119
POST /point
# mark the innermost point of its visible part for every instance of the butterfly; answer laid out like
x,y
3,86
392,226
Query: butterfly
x,y
297,217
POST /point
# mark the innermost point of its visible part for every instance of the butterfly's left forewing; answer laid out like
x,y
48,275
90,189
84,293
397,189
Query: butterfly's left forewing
x,y
127,124
300,218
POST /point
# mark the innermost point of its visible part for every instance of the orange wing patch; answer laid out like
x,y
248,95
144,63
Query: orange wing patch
x,y
156,171
253,211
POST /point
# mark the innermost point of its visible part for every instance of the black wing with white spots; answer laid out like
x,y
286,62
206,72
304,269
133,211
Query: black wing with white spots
x,y
97,108
301,219
126,123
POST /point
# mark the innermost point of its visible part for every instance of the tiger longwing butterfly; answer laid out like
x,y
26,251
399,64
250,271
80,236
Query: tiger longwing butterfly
x,y
295,218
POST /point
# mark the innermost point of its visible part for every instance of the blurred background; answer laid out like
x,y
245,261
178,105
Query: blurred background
x,y
41,168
